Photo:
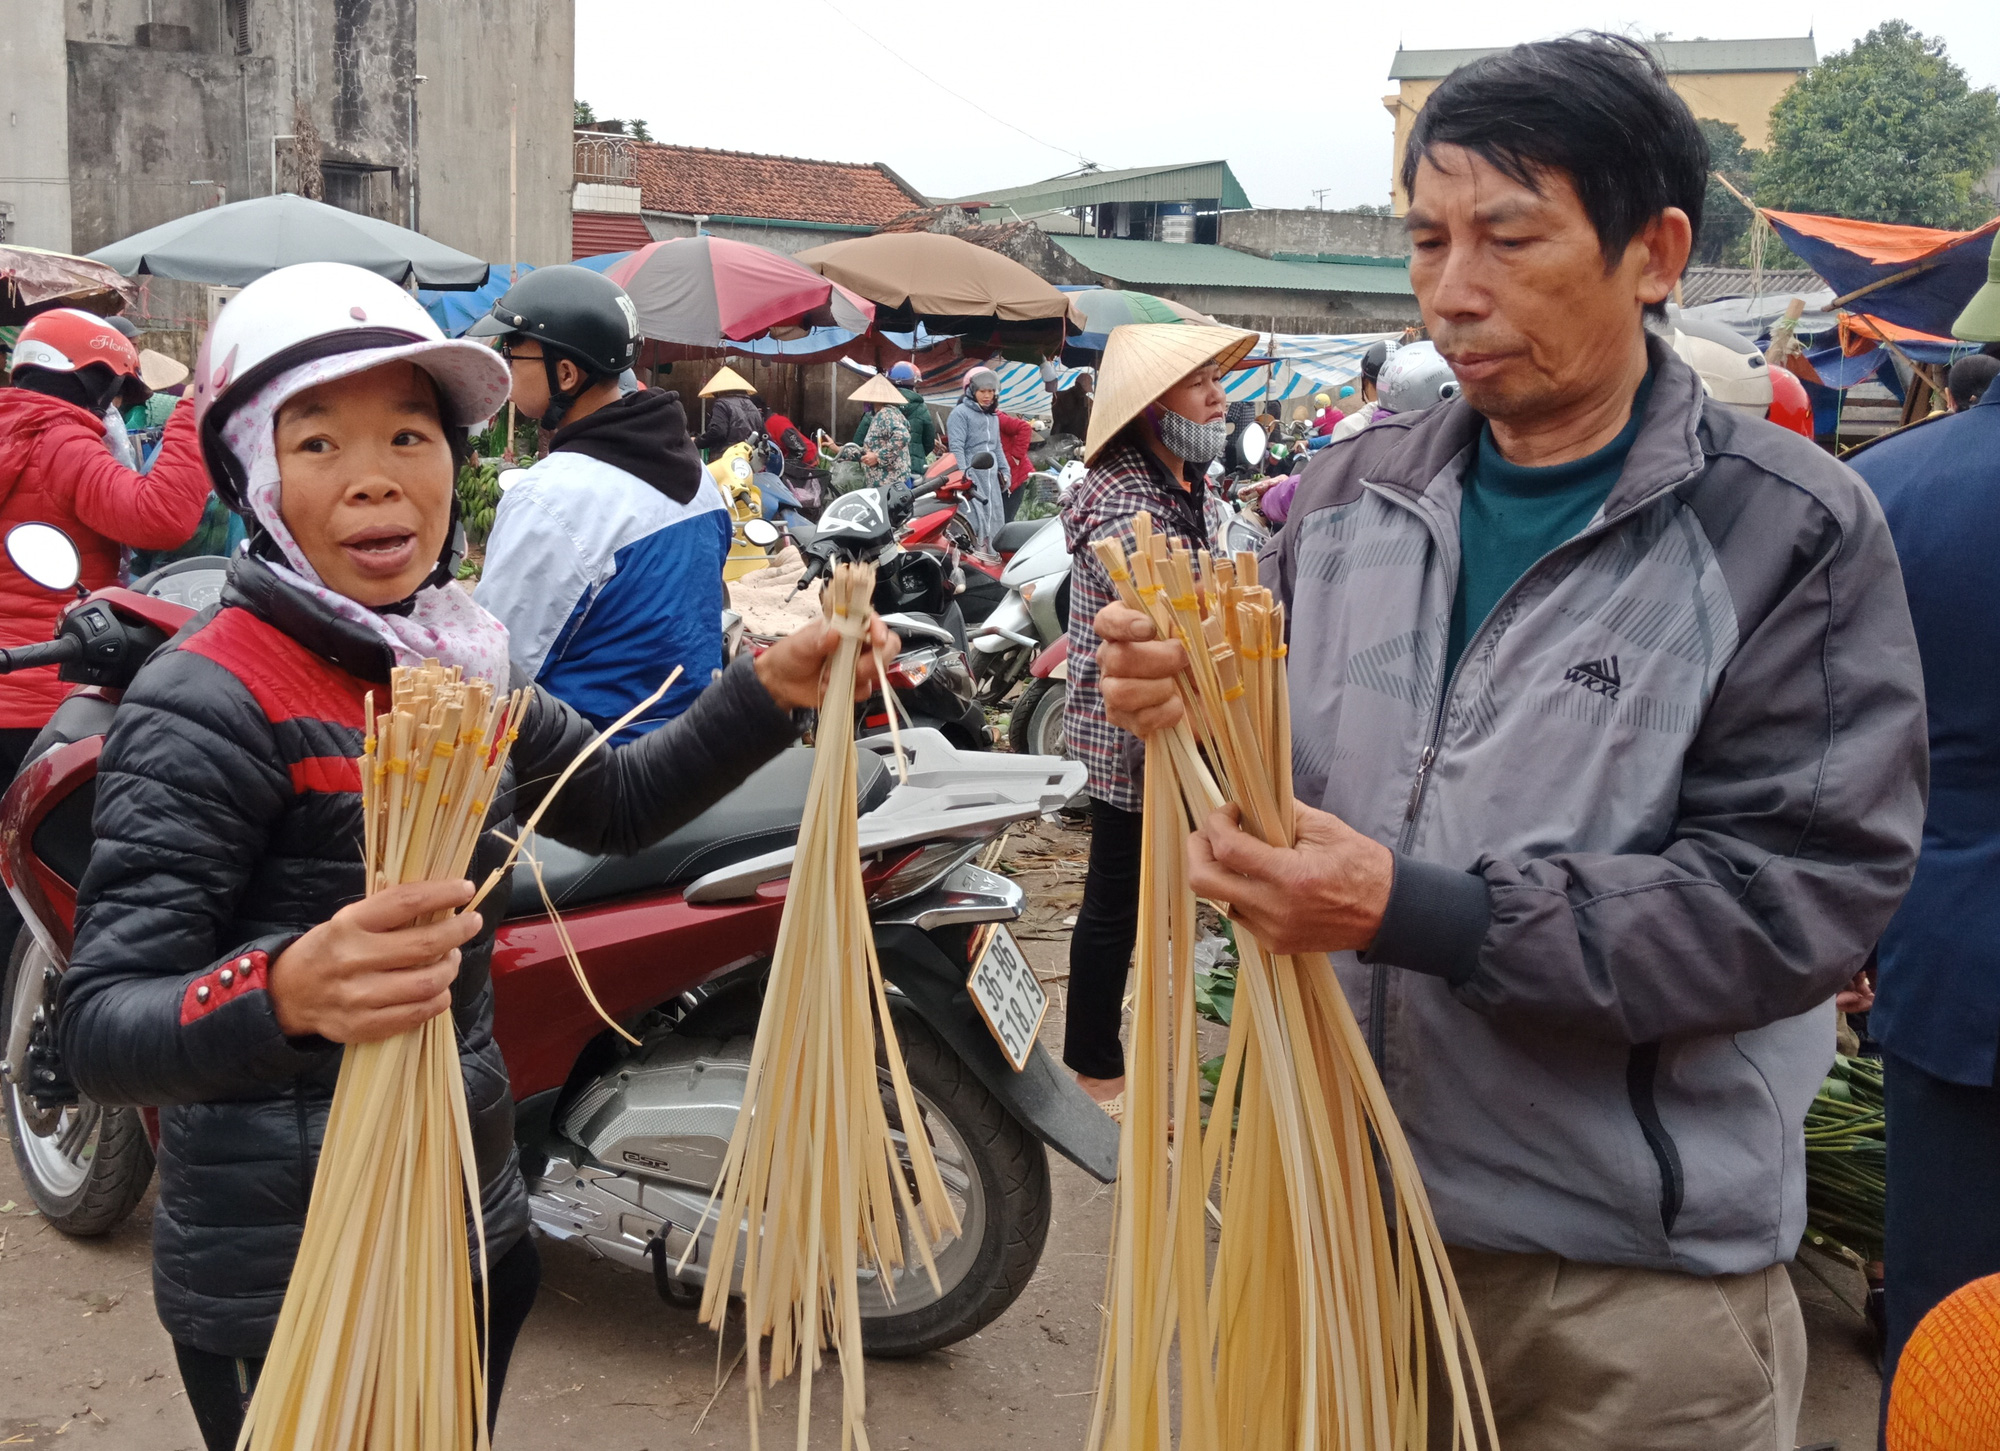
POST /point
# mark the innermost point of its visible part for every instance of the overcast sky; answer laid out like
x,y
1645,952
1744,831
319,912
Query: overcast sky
x,y
1293,109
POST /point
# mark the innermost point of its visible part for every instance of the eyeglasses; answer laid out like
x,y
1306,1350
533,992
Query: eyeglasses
x,y
513,355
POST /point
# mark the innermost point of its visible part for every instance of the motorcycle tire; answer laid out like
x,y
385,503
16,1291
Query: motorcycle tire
x,y
1036,726
1013,1174
90,1190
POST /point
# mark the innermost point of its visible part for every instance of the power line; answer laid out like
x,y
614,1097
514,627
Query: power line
x,y
856,25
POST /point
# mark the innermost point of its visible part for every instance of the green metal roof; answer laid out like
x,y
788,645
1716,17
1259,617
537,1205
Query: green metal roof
x,y
1195,181
1194,264
1677,57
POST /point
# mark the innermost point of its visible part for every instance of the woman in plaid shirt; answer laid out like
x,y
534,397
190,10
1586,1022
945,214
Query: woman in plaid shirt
x,y
1158,421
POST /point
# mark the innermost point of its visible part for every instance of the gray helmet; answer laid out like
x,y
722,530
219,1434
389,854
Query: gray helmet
x,y
1415,378
573,313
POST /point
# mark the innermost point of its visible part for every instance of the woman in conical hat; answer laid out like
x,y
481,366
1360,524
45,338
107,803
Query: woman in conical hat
x,y
1157,423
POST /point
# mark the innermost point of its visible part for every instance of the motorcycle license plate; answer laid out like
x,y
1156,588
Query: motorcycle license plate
x,y
1009,997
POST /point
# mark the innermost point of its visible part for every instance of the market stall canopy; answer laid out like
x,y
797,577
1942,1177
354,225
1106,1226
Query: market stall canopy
x,y
31,279
1915,277
709,292
1100,309
948,284
234,245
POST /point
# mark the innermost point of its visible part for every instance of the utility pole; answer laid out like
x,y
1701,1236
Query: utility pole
x,y
513,214
1319,197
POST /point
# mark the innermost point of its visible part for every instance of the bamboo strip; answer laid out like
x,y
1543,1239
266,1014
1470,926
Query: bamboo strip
x,y
816,1186
1331,1294
377,1343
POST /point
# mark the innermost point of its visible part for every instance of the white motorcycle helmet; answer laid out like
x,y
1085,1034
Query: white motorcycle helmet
x,y
1731,368
1416,377
316,310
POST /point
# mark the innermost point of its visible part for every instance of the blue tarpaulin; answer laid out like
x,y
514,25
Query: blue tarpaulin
x,y
1943,268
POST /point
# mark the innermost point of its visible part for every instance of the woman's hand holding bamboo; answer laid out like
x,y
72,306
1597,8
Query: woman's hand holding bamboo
x,y
792,669
373,970
1137,671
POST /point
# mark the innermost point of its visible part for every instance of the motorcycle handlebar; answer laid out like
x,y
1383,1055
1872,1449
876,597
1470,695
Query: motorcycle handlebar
x,y
49,652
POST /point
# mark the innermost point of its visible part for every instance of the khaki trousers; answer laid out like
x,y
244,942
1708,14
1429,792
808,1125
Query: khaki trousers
x,y
1582,1357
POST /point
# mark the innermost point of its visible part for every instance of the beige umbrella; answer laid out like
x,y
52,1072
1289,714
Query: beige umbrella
x,y
948,284
1142,360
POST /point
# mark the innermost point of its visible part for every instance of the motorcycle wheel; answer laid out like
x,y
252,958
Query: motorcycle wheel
x,y
998,1176
1036,726
86,1166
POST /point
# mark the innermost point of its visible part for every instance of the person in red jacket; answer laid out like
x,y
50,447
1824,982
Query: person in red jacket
x,y
55,468
1016,434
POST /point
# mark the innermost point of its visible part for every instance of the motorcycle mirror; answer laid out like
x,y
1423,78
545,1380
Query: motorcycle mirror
x,y
1252,443
760,532
982,460
45,554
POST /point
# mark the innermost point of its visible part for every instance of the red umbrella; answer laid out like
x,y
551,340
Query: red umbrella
x,y
708,292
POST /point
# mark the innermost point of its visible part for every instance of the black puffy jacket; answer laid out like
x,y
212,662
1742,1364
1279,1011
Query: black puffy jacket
x,y
228,823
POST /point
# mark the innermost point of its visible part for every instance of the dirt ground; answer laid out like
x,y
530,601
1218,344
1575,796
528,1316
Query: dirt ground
x,y
604,1363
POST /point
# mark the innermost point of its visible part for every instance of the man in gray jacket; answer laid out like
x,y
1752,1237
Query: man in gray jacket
x,y
1609,734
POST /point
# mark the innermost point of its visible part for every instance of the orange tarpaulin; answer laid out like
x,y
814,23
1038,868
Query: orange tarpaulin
x,y
1884,243
1859,333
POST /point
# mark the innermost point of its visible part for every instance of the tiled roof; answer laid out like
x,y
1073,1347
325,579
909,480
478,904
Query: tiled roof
x,y
1712,284
592,234
1194,264
692,179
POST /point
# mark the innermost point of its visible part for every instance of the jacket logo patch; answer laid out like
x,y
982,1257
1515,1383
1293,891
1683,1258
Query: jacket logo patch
x,y
1597,676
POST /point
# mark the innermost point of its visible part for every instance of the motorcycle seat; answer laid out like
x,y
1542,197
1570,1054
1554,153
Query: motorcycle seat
x,y
761,815
931,505
1015,533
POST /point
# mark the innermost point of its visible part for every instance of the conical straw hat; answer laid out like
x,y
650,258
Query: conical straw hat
x,y
877,389
1142,360
726,381
1980,322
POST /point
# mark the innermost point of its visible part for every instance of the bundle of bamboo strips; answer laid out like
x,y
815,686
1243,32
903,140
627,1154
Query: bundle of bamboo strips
x,y
813,1180
1331,1308
377,1345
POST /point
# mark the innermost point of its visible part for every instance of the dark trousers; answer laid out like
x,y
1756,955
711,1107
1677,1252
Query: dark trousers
x,y
1012,503
1100,949
219,1386
1943,1227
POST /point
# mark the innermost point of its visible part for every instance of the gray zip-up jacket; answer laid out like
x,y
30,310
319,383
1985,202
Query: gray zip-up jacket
x,y
1658,815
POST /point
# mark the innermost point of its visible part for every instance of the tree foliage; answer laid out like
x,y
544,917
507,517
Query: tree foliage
x,y
1888,130
584,114
1724,220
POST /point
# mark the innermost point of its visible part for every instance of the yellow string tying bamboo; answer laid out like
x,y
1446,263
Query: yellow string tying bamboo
x,y
813,1180
1331,1305
377,1344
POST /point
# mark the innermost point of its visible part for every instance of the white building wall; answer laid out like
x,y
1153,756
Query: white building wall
x,y
34,126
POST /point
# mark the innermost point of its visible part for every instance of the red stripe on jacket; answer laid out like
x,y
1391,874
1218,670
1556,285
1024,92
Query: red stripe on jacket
x,y
326,773
288,680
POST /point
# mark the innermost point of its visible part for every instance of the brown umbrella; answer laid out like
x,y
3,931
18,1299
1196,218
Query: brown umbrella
x,y
30,277
949,285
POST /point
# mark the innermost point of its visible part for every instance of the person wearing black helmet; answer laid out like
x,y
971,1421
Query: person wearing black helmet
x,y
1371,402
605,560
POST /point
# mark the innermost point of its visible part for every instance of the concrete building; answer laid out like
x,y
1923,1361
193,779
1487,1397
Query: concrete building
x,y
1737,81
122,114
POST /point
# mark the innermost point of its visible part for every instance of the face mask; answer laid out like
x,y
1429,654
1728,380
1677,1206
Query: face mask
x,y
1195,442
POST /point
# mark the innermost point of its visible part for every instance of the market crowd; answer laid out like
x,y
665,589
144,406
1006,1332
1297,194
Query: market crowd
x,y
1634,737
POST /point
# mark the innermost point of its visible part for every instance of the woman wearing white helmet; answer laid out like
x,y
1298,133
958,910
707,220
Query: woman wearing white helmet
x,y
223,949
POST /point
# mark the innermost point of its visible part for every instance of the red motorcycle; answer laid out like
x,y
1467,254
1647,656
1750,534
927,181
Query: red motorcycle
x,y
935,523
621,1145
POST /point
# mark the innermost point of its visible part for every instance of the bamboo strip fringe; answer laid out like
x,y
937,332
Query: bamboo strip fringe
x,y
377,1344
1331,1310
814,1187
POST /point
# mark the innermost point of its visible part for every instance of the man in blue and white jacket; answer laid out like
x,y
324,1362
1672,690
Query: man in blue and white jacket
x,y
605,560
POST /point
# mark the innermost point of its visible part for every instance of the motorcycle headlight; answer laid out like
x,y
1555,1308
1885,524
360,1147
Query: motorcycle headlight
x,y
924,869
